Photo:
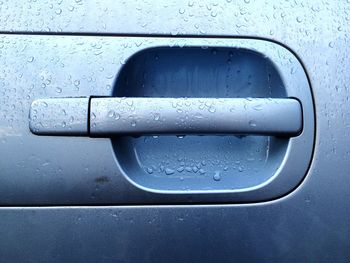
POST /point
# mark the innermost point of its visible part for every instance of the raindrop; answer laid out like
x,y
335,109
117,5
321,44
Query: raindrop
x,y
169,171
217,176
212,109
180,169
181,11
188,169
174,32
156,117
198,116
252,123
123,61
258,107
111,114
30,59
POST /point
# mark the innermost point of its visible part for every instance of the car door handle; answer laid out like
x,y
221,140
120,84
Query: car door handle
x,y
111,116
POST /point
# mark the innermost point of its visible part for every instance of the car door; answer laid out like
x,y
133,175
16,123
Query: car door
x,y
178,131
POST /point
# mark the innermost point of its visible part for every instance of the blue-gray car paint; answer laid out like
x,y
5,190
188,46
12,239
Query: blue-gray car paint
x,y
310,224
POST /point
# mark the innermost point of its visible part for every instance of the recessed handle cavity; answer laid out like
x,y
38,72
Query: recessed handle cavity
x,y
156,116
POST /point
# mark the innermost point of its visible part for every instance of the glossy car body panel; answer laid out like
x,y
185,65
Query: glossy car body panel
x,y
308,225
78,170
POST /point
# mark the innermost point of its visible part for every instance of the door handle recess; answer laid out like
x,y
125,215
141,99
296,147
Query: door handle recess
x,y
110,116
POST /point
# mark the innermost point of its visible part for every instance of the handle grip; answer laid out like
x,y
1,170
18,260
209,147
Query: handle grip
x,y
138,116
106,117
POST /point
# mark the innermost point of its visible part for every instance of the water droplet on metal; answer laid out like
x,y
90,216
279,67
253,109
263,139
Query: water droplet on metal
x,y
181,11
169,171
156,116
212,109
217,176
201,171
252,123
180,169
111,114
258,107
